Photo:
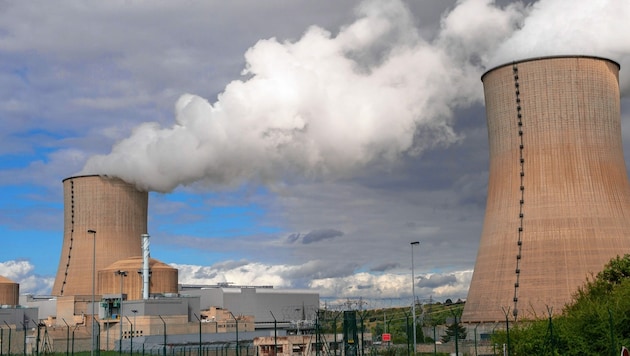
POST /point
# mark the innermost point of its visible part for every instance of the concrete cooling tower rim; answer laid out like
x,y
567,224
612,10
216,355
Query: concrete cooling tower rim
x,y
85,176
532,59
104,176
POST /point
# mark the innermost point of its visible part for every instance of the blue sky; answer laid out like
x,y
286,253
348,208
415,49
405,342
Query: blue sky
x,y
300,145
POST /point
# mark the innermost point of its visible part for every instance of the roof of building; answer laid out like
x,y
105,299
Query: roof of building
x,y
136,262
5,280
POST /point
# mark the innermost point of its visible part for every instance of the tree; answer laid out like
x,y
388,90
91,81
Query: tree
x,y
596,322
378,329
454,328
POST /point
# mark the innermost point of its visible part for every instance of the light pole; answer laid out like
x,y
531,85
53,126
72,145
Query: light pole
x,y
93,232
413,292
120,308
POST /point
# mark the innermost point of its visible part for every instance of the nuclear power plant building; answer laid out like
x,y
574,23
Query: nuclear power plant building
x,y
108,282
558,205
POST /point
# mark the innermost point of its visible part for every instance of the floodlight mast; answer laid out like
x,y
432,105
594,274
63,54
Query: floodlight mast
x,y
413,292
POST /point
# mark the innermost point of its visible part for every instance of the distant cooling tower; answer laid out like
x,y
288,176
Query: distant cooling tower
x,y
116,211
558,206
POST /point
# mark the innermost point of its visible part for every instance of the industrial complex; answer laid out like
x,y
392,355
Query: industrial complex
x,y
558,209
108,286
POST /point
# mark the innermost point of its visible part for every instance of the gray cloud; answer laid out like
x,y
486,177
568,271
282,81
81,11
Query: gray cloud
x,y
293,237
319,235
319,269
204,273
436,280
384,267
229,265
314,236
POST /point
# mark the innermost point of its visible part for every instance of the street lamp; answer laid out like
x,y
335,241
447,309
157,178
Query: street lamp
x,y
413,292
93,232
120,307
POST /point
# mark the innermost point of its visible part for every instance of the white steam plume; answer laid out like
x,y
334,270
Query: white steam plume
x,y
326,105
557,27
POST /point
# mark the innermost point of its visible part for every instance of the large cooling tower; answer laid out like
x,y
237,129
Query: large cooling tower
x,y
558,206
116,211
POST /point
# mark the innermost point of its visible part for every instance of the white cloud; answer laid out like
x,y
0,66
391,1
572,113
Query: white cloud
x,y
453,285
255,274
321,106
21,272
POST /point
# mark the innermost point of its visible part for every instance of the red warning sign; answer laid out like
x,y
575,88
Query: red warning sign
x,y
386,337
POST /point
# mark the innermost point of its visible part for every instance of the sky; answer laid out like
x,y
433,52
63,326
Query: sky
x,y
299,144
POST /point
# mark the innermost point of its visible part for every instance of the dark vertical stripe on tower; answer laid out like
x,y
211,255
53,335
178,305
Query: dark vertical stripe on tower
x,y
519,242
65,276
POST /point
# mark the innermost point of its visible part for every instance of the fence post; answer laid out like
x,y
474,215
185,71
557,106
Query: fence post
x,y
164,343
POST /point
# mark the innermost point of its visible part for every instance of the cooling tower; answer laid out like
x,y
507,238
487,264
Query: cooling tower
x,y
558,206
116,211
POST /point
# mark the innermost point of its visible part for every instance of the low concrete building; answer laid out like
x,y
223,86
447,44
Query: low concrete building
x,y
264,303
305,344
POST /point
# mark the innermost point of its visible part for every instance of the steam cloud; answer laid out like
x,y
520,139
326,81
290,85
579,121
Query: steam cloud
x,y
326,104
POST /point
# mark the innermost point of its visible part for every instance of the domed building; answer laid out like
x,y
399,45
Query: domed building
x,y
9,292
125,277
